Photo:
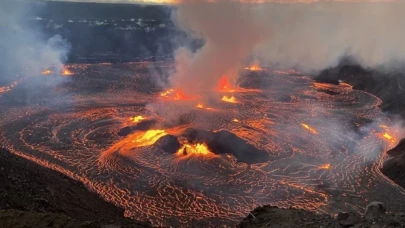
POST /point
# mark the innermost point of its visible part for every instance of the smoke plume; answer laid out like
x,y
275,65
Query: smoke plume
x,y
308,37
24,50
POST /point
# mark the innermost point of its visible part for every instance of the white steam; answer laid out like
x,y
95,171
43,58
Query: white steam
x,y
24,50
309,37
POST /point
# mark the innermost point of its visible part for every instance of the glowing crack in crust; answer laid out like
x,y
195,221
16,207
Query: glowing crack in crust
x,y
309,128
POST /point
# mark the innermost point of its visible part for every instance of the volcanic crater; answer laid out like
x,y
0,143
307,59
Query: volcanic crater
x,y
279,138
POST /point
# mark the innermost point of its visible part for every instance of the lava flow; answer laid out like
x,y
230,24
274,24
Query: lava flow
x,y
202,106
177,95
137,119
66,72
387,136
231,99
254,67
190,167
198,149
325,166
46,72
310,129
224,85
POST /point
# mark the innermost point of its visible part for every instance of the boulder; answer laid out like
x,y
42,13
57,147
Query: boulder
x,y
374,210
347,219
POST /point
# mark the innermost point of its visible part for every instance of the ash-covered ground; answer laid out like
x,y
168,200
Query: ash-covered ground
x,y
312,145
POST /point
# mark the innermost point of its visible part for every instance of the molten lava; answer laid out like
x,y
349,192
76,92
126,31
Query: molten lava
x,y
166,93
388,137
200,105
235,120
198,149
224,85
148,138
178,95
46,72
229,99
136,119
325,166
66,72
254,67
310,129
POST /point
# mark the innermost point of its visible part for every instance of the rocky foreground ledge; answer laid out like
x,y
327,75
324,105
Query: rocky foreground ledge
x,y
375,216
35,196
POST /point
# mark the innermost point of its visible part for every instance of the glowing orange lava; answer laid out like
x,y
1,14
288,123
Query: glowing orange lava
x,y
254,67
229,99
198,149
136,119
166,93
224,85
46,72
235,120
66,72
388,137
148,138
178,95
200,105
310,129
325,166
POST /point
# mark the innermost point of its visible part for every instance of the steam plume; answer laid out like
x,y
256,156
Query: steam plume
x,y
309,37
23,49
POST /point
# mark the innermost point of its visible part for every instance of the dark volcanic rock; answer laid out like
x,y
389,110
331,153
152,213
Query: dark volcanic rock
x,y
25,219
269,216
168,143
141,126
374,210
387,86
27,186
347,219
224,142
394,167
125,131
